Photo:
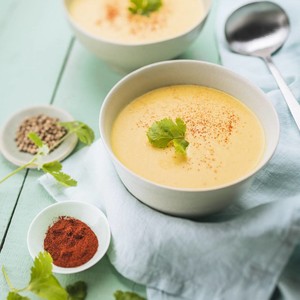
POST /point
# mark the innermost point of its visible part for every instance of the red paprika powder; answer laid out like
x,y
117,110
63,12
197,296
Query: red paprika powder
x,y
70,242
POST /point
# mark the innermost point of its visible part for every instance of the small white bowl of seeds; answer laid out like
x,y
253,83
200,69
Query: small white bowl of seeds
x,y
43,120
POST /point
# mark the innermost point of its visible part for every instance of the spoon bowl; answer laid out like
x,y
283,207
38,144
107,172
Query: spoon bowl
x,y
260,29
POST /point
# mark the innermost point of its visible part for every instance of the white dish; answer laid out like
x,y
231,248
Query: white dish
x,y
127,57
187,202
85,212
8,145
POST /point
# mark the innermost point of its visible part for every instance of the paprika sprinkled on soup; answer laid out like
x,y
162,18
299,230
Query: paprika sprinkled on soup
x,y
70,242
226,139
111,19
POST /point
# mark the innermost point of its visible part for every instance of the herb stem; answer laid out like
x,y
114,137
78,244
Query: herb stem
x,y
70,132
61,140
19,169
7,279
11,288
85,135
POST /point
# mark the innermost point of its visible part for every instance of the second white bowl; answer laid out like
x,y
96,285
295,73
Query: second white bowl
x,y
184,201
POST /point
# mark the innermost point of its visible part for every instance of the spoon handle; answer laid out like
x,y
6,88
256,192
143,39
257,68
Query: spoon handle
x,y
290,99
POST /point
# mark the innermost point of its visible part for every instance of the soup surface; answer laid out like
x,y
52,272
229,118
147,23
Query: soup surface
x,y
226,138
111,19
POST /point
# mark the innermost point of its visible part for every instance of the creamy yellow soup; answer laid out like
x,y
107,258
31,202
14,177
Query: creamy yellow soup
x,y
226,140
111,19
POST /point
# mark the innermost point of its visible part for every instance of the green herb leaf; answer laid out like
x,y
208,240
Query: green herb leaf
x,y
43,149
120,295
144,7
36,139
77,291
180,145
165,131
15,296
54,168
42,281
44,284
84,133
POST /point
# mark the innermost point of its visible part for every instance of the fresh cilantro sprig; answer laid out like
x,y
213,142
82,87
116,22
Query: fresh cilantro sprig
x,y
77,291
144,7
54,168
165,132
120,295
85,135
44,284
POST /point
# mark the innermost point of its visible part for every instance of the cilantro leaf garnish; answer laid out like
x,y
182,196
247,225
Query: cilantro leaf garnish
x,y
43,149
15,296
44,284
84,132
120,295
144,7
54,168
166,131
77,291
36,139
180,145
42,281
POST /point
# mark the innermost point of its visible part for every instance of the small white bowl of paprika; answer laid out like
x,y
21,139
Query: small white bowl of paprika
x,y
76,234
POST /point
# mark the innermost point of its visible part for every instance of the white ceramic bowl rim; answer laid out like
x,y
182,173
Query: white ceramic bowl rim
x,y
8,147
112,42
104,243
261,164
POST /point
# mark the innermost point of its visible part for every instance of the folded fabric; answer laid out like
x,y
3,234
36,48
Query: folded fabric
x,y
238,255
240,258
278,181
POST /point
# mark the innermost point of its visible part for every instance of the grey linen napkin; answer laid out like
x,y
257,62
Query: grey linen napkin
x,y
241,254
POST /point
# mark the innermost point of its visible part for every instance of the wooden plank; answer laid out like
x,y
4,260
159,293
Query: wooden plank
x,y
33,38
102,279
85,84
80,90
29,76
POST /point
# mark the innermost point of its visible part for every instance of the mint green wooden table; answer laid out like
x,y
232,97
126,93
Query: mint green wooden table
x,y
42,63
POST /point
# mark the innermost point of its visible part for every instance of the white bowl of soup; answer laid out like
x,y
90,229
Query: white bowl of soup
x,y
230,125
128,41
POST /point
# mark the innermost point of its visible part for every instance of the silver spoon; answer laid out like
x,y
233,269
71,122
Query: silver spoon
x,y
259,29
